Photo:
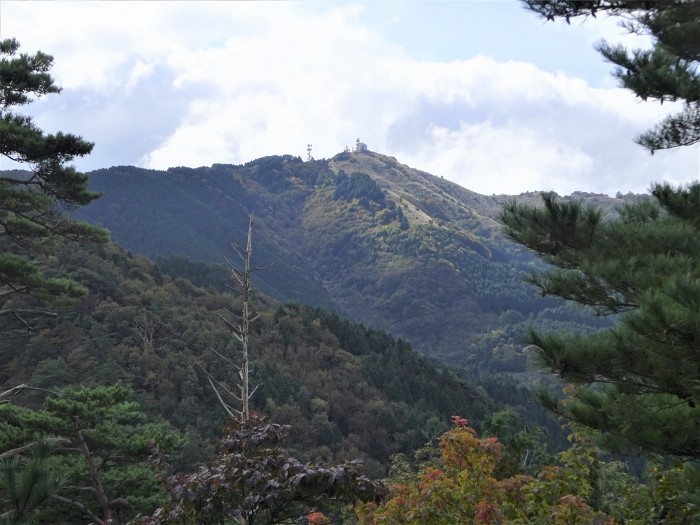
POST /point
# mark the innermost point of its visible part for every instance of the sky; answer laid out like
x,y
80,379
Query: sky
x,y
483,93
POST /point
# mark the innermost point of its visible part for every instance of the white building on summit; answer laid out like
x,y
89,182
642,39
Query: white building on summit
x,y
360,147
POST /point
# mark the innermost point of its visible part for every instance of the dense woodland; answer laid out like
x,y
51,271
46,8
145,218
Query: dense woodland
x,y
374,240
114,365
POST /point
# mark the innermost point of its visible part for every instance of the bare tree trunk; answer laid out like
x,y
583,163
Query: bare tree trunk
x,y
240,327
100,493
16,390
245,324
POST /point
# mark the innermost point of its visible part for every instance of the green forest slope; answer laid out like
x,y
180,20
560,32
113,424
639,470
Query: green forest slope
x,y
389,246
349,391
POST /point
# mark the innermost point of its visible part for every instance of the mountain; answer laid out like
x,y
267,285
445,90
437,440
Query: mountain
x,y
395,248
348,391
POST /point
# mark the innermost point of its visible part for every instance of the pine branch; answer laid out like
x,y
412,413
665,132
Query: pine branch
x,y
15,451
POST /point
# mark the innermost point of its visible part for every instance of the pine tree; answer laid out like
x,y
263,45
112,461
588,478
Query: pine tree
x,y
637,382
99,472
666,72
26,480
31,201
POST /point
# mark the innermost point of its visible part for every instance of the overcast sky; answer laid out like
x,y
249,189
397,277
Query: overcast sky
x,y
481,92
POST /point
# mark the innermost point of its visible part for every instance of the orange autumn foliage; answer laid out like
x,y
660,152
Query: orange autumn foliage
x,y
463,489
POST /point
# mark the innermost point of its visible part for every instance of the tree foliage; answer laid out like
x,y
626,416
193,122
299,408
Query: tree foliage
x,y
666,72
357,186
26,481
31,201
349,391
98,472
463,486
255,481
436,285
636,381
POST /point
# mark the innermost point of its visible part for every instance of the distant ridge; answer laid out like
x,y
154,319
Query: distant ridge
x,y
393,247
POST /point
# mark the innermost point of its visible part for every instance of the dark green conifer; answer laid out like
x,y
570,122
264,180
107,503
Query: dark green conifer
x,y
639,381
97,469
31,199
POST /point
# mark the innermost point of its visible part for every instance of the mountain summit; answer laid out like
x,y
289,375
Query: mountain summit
x,y
384,244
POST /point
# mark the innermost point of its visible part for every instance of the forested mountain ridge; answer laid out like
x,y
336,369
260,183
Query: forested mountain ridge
x,y
371,237
396,248
347,390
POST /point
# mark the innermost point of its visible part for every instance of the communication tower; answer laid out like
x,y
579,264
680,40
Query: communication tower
x,y
308,153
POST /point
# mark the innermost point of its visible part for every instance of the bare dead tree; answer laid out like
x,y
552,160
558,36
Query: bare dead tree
x,y
240,328
144,330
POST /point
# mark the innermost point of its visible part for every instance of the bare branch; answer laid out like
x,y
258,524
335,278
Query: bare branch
x,y
232,326
238,317
8,311
81,489
83,508
233,289
225,388
14,391
11,291
228,410
211,378
222,356
27,326
240,251
15,451
253,392
258,268
240,280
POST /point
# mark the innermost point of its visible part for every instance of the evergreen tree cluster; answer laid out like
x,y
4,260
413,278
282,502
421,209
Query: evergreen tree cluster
x,y
358,186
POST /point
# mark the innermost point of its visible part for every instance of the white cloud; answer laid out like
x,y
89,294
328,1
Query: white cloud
x,y
139,71
188,83
488,159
